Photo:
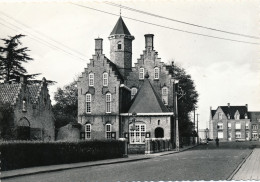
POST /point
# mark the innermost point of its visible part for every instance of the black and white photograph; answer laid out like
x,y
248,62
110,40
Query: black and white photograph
x,y
96,90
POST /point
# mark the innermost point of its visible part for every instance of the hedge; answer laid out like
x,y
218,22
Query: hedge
x,y
22,154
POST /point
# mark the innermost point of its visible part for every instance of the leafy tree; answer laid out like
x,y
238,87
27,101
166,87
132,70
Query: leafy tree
x,y
66,107
6,121
11,59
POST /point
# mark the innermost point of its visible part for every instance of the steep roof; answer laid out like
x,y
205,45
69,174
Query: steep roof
x,y
34,92
213,113
147,100
9,92
231,110
254,116
120,28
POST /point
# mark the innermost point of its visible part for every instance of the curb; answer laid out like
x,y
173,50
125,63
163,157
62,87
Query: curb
x,y
180,151
66,168
239,166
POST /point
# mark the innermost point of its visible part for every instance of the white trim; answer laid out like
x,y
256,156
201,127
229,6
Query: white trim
x,y
149,114
123,86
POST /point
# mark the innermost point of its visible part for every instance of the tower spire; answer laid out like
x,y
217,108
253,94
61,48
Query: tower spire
x,y
120,9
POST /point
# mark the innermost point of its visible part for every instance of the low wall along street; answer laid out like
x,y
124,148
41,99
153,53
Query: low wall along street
x,y
22,154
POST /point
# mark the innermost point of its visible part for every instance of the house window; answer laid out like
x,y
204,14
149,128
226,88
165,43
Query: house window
x,y
238,126
119,45
108,103
24,106
220,126
254,127
105,79
229,125
133,92
137,136
165,95
88,103
220,116
91,79
247,135
108,131
255,135
237,116
156,73
220,134
247,125
229,135
141,73
88,131
238,134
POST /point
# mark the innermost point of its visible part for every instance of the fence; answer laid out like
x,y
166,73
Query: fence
x,y
157,145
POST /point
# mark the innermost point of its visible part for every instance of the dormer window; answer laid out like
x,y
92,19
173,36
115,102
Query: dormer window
x,y
220,116
141,73
119,45
237,116
246,116
156,73
105,79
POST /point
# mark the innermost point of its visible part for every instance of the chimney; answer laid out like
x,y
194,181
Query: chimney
x,y
210,108
98,46
148,41
247,106
228,104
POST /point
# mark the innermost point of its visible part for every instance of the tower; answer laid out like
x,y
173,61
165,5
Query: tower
x,y
121,47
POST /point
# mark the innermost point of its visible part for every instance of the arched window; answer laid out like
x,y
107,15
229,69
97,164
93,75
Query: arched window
x,y
137,135
119,45
88,131
24,105
108,131
108,103
156,73
88,103
133,92
141,73
165,95
91,79
105,79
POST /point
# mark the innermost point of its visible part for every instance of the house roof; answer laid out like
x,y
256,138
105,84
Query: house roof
x,y
9,92
147,100
120,28
231,110
34,92
115,69
213,113
254,116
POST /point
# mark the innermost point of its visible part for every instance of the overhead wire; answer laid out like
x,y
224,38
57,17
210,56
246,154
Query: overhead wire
x,y
163,26
179,21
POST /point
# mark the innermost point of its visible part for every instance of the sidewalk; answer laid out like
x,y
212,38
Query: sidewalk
x,y
250,170
53,168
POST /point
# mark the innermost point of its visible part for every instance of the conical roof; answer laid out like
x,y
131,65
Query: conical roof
x,y
120,28
147,100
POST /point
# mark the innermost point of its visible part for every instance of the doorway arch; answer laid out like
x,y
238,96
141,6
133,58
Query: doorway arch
x,y
159,132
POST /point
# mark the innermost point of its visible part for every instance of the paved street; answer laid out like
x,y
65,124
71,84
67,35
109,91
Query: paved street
x,y
201,163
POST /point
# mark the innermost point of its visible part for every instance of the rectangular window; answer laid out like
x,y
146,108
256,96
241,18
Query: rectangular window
x,y
88,131
255,135
247,125
229,125
88,103
108,103
220,134
219,116
165,95
105,79
137,135
229,135
254,127
91,79
141,73
238,126
108,131
238,134
156,73
247,135
220,126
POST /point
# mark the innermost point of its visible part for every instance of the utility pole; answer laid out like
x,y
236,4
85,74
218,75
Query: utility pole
x,y
176,115
197,128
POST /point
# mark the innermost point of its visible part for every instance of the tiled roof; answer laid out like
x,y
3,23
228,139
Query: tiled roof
x,y
147,100
33,90
120,28
9,92
254,116
114,68
231,110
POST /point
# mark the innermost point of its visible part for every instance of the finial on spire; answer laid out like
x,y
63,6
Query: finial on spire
x,y
120,9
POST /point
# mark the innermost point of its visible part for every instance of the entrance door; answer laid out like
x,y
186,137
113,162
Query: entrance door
x,y
159,133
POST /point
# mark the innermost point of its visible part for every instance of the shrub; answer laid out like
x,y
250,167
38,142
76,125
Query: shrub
x,y
22,154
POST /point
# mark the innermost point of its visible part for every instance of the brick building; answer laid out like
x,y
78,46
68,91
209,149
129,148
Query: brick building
x,y
233,123
32,116
111,90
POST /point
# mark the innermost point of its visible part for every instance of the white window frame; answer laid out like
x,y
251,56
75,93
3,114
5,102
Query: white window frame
x,y
238,126
88,103
88,131
220,135
229,125
237,116
165,95
254,126
220,126
108,102
133,92
247,125
105,79
137,136
156,73
91,79
238,134
141,73
108,131
254,135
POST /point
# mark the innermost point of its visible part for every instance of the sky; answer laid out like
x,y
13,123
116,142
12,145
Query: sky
x,y
60,36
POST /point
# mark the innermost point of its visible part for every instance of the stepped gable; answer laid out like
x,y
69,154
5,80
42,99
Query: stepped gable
x,y
115,69
147,100
9,92
120,28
